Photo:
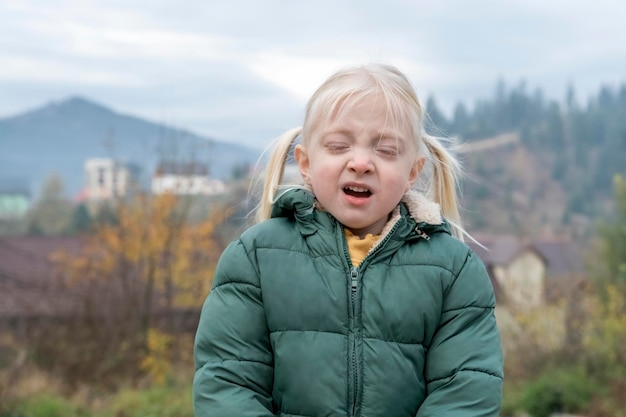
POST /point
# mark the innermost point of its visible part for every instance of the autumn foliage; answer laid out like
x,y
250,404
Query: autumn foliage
x,y
138,284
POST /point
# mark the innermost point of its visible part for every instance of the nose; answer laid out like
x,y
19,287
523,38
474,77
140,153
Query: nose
x,y
361,162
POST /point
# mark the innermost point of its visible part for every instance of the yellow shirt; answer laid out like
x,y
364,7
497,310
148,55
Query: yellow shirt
x,y
357,247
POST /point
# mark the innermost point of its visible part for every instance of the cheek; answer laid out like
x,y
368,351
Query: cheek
x,y
403,168
322,167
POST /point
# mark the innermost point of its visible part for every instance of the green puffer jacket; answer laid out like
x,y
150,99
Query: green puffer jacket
x,y
290,328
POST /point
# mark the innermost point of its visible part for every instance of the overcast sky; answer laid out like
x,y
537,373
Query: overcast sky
x,y
242,70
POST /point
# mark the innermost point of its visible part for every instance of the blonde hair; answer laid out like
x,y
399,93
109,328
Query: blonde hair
x,y
335,97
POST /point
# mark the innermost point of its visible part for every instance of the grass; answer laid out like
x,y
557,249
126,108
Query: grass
x,y
166,401
36,399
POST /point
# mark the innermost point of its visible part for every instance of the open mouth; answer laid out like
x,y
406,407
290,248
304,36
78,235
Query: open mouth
x,y
357,191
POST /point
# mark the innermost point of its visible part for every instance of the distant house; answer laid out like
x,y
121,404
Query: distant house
x,y
107,178
14,199
528,274
185,178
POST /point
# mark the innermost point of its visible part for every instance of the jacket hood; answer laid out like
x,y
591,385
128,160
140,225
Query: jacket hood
x,y
423,214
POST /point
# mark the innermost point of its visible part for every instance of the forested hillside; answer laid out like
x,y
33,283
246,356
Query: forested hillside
x,y
557,175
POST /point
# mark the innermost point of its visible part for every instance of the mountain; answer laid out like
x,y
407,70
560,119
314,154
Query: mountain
x,y
58,137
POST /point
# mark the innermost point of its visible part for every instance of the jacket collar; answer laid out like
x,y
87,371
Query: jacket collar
x,y
416,213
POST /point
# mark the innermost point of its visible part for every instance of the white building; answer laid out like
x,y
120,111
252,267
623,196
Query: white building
x,y
107,178
184,178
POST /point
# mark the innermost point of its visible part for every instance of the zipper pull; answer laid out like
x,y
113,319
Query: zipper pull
x,y
354,275
422,234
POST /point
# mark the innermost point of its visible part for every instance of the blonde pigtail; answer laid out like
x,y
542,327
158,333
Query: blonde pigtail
x,y
445,178
274,172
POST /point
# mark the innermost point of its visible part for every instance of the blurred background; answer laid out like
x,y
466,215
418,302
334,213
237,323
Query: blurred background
x,y
130,134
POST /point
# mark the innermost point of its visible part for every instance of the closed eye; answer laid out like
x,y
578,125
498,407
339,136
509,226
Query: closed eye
x,y
389,146
337,147
387,150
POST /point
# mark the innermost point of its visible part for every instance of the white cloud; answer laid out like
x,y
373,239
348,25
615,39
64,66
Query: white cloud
x,y
298,75
31,69
241,66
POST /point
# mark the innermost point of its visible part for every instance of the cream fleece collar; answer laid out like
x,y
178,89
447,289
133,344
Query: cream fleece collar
x,y
422,209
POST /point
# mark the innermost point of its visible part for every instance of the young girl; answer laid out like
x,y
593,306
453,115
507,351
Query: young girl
x,y
352,297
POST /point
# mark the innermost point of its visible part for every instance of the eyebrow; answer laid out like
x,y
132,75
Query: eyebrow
x,y
388,136
382,135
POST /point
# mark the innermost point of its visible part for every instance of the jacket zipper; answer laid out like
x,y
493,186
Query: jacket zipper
x,y
379,245
354,275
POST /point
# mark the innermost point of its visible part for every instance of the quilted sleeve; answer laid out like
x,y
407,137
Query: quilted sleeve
x,y
232,353
464,364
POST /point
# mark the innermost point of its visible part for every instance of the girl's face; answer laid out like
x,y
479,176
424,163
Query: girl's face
x,y
360,166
